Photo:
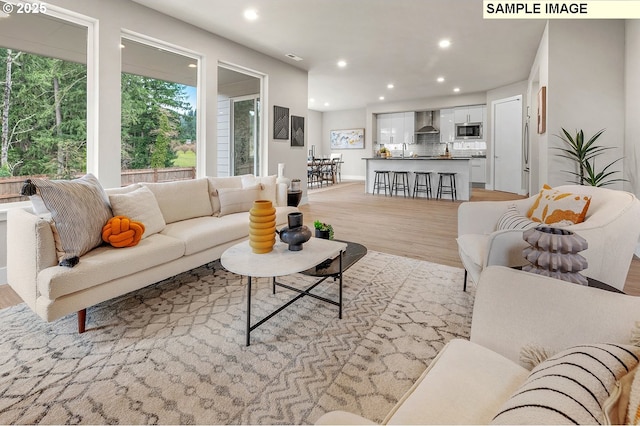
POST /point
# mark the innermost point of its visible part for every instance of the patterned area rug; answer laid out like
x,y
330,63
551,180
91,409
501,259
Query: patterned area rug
x,y
174,353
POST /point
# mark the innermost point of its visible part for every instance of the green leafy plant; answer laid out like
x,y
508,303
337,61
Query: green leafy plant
x,y
321,226
584,154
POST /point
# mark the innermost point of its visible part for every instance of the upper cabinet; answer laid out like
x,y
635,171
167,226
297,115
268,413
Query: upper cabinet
x,y
470,114
396,127
447,125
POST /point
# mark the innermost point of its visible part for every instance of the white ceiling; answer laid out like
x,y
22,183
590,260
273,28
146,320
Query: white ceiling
x,y
383,41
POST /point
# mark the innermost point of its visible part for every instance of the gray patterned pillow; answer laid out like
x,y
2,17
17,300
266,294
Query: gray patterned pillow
x,y
79,209
571,387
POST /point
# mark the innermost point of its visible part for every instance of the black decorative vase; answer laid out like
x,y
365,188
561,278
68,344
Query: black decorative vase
x,y
296,233
322,234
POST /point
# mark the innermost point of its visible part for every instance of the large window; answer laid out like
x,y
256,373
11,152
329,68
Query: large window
x,y
43,100
159,115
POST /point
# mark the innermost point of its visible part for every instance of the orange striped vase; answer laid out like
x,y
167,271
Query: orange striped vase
x,y
262,226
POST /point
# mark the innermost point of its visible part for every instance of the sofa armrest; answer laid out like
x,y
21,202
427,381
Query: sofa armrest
x,y
513,309
31,248
504,248
481,217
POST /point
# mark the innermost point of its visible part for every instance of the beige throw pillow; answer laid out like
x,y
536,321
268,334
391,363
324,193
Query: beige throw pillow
x,y
216,183
235,200
139,205
268,186
183,199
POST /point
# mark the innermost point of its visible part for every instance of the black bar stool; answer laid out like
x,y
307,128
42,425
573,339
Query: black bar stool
x,y
447,189
424,186
402,184
381,180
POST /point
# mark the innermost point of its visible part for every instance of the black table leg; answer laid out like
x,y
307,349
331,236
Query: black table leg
x,y
248,311
340,291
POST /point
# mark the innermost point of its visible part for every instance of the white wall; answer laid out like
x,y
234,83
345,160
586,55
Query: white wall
x,y
585,89
314,132
353,166
632,107
285,86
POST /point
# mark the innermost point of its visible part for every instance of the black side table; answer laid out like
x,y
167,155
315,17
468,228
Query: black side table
x,y
293,198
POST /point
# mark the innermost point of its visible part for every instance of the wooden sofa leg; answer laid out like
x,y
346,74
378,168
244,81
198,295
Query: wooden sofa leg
x,y
465,281
82,320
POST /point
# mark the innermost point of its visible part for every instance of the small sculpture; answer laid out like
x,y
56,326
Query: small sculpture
x,y
296,233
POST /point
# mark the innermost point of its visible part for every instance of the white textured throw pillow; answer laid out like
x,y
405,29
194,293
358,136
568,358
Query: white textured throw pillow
x,y
513,219
570,387
216,183
235,200
139,205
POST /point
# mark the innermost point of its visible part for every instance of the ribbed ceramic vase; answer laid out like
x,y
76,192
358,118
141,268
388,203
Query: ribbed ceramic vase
x,y
554,253
262,226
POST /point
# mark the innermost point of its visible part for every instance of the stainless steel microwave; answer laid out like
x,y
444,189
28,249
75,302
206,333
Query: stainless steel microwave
x,y
468,131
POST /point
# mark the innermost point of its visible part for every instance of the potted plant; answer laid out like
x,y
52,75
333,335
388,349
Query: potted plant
x,y
323,230
584,154
383,152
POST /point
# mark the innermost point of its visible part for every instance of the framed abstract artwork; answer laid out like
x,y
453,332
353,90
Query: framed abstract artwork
x,y
280,122
347,139
297,131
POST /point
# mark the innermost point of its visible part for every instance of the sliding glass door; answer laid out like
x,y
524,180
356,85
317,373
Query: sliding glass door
x,y
245,135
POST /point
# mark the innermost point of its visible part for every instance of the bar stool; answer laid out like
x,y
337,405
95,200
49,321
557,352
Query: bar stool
x,y
381,180
447,189
402,184
424,186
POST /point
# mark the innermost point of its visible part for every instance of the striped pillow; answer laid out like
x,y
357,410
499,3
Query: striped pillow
x,y
570,387
513,219
79,209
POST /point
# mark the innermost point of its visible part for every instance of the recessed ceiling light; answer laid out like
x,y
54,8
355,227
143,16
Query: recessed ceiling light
x,y
311,100
440,80
326,104
193,66
250,14
444,43
390,86
342,63
381,98
456,89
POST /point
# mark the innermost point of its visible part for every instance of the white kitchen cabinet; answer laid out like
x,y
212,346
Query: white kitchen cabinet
x,y
479,170
447,125
396,128
470,114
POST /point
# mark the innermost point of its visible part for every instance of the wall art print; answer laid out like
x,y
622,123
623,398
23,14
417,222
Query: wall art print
x,y
280,122
347,139
297,131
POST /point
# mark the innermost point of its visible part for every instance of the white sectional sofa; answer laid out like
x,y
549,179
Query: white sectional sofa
x,y
469,381
188,224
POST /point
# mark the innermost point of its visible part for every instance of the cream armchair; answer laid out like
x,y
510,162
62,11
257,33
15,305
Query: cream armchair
x,y
611,227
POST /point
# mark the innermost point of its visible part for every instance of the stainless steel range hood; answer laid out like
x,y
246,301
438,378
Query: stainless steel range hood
x,y
424,123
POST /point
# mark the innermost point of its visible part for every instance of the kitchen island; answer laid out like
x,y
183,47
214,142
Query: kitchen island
x,y
460,165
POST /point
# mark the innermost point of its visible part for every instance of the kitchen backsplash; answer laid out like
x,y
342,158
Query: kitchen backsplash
x,y
437,148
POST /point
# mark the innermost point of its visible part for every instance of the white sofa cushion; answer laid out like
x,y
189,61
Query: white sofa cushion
x,y
139,205
106,263
183,199
202,233
488,380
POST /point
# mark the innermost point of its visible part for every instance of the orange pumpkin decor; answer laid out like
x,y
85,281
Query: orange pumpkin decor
x,y
120,231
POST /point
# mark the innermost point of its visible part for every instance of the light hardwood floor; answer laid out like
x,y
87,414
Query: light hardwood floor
x,y
416,228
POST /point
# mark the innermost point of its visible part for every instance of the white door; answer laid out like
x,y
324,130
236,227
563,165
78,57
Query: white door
x,y
507,144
